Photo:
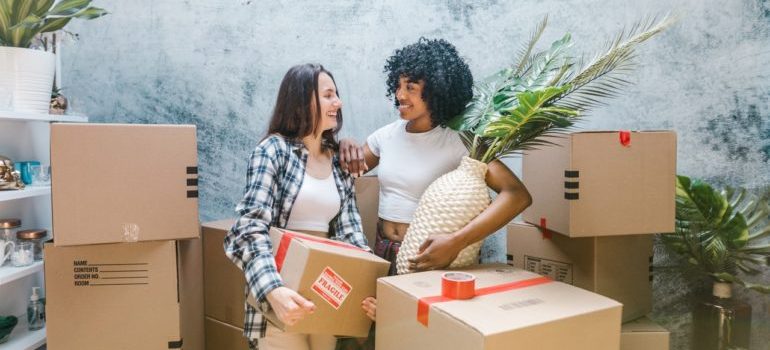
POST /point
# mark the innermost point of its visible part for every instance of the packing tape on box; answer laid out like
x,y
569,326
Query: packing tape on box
x,y
130,232
458,285
288,236
544,229
625,138
424,304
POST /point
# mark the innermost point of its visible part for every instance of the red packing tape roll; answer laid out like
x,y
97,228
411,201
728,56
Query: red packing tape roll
x,y
458,285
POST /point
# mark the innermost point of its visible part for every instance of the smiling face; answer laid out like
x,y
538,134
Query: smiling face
x,y
329,102
411,106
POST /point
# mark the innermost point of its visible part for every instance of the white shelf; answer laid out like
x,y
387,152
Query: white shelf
x,y
27,192
36,117
24,339
10,273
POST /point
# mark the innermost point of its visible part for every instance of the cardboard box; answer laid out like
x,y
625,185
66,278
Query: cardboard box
x,y
546,316
335,276
368,200
643,334
145,295
224,284
617,267
123,183
590,184
222,336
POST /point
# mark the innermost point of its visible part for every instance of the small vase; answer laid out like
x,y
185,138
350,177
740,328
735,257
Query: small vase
x,y
721,322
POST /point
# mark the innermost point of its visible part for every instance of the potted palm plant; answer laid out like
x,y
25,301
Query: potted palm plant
x,y
26,74
725,235
542,94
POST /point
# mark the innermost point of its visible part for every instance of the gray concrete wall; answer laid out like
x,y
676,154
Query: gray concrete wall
x,y
218,64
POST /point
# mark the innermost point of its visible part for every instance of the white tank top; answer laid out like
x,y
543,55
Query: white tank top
x,y
317,203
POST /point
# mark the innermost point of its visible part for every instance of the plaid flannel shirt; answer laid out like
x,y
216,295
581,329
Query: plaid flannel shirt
x,y
274,177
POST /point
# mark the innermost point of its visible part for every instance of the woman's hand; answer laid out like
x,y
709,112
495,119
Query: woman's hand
x,y
352,157
289,306
370,307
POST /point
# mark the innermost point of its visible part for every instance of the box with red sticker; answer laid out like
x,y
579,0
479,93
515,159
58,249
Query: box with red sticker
x,y
335,276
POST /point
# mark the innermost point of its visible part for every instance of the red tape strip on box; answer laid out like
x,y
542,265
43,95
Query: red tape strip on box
x,y
288,236
625,138
423,304
544,229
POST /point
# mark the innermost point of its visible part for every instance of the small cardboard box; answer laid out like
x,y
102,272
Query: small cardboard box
x,y
116,183
603,183
224,284
222,336
335,276
144,295
643,334
368,200
617,267
521,310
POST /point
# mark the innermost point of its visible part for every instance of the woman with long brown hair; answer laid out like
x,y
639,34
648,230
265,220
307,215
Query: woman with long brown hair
x,y
294,181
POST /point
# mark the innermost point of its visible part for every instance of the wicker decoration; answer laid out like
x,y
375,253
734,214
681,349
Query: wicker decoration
x,y
449,203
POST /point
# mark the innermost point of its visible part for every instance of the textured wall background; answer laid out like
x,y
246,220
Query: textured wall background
x,y
217,64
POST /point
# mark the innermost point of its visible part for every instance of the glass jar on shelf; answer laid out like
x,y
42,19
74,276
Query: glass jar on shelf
x,y
23,254
8,228
37,237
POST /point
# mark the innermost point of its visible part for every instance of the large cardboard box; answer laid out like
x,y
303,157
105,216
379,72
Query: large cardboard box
x,y
617,267
643,334
603,183
123,183
368,200
335,276
224,284
144,295
545,315
222,336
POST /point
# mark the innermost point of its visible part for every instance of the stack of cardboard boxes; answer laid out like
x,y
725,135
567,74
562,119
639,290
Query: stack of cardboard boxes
x,y
598,198
124,270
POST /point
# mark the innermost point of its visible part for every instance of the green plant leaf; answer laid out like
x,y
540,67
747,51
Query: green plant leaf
x,y
91,13
54,24
68,7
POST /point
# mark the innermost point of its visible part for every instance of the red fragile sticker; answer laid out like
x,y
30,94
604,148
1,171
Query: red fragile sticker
x,y
331,287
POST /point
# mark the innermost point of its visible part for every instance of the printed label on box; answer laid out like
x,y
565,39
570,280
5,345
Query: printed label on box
x,y
331,287
557,271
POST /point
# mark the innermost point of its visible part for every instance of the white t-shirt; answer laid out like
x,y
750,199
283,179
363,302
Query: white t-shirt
x,y
409,163
317,203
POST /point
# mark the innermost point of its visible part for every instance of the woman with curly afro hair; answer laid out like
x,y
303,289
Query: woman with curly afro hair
x,y
430,83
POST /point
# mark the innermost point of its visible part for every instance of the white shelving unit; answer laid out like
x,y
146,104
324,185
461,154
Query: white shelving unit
x,y
9,273
27,192
25,137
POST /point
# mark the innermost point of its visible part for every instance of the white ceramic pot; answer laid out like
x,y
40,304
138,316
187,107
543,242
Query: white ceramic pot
x,y
26,79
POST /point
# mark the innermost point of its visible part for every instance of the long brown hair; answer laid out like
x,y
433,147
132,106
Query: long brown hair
x,y
292,115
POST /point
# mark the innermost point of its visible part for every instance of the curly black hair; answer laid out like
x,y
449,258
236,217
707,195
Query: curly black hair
x,y
448,80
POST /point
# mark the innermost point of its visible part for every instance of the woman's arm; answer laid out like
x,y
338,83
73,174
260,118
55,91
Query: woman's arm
x,y
355,159
247,243
440,250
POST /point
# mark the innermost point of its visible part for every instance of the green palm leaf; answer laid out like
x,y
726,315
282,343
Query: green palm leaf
x,y
713,233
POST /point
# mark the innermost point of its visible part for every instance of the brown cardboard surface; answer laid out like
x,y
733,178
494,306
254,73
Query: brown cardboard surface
x,y
368,199
108,179
617,267
620,190
643,334
123,296
222,336
224,284
548,316
190,272
306,262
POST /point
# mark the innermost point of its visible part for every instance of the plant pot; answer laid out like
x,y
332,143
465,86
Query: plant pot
x,y
447,205
26,79
720,322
